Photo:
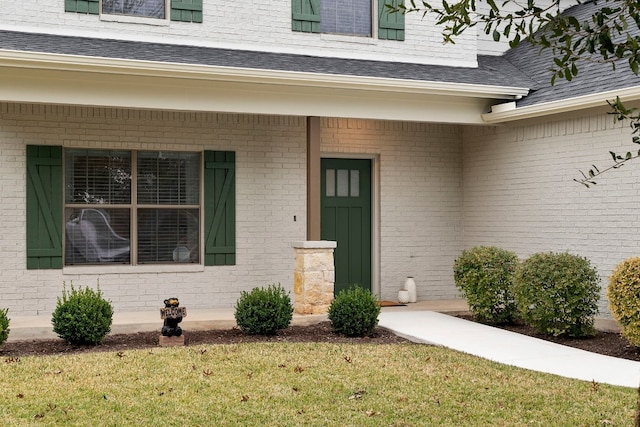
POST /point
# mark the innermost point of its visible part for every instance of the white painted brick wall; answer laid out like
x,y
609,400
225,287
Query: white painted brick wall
x,y
420,198
519,191
262,25
270,190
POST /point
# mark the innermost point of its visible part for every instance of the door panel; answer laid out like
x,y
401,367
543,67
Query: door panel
x,y
346,218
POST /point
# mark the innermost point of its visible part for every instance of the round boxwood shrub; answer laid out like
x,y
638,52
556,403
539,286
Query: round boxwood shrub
x,y
557,294
354,312
485,274
263,311
4,325
82,316
624,298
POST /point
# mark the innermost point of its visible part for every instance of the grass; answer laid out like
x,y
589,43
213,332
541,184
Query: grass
x,y
286,384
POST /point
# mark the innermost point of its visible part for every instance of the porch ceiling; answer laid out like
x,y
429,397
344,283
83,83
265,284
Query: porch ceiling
x,y
41,77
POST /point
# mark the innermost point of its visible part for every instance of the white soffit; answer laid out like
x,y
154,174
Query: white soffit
x,y
52,78
507,112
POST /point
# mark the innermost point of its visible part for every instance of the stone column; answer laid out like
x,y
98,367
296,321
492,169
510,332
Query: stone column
x,y
313,277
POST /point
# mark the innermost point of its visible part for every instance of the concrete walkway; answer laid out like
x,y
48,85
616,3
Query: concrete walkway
x,y
422,322
510,348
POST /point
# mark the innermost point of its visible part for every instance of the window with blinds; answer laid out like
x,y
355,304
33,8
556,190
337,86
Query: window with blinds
x,y
140,8
349,17
131,207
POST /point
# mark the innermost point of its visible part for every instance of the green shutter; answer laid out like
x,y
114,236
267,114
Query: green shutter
x,y
305,15
82,6
220,207
390,25
44,207
186,10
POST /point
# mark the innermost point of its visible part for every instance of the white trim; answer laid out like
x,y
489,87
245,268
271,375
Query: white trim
x,y
59,62
507,114
132,269
315,244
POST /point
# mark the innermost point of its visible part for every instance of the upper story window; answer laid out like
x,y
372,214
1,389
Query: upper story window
x,y
348,17
139,8
134,10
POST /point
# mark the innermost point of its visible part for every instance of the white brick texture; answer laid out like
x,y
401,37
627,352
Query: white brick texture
x,y
419,200
270,188
261,25
519,191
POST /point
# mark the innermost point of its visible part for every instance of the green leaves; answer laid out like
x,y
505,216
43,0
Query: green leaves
x,y
263,311
557,293
4,325
484,274
82,316
354,312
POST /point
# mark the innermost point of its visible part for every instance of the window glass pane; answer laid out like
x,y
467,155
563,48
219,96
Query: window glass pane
x,y
143,8
351,17
330,182
168,235
97,177
343,183
94,236
168,178
355,183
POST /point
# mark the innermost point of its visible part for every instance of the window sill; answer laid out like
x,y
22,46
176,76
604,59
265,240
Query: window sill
x,y
369,40
160,22
133,269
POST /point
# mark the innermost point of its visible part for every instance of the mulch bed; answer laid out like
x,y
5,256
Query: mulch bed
x,y
320,332
611,344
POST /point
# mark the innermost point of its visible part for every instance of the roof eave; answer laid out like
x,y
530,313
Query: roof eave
x,y
506,114
61,62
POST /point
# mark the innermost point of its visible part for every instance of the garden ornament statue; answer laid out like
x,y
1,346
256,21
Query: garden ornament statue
x,y
172,314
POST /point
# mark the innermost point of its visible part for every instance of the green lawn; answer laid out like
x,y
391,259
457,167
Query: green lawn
x,y
284,384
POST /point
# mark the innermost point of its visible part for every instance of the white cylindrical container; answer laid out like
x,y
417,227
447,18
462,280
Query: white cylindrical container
x,y
403,296
410,285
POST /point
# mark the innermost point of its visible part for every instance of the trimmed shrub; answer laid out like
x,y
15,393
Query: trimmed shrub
x,y
354,312
557,294
485,274
263,311
82,316
4,325
624,298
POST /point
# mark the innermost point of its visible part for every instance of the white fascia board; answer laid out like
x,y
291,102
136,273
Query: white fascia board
x,y
503,115
22,59
166,93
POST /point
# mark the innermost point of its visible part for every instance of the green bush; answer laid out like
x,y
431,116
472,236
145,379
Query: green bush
x,y
485,274
263,311
624,298
82,316
557,294
354,312
4,325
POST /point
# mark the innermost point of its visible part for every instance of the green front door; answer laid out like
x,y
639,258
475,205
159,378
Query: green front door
x,y
346,218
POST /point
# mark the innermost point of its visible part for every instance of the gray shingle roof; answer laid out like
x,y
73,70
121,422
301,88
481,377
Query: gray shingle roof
x,y
492,71
593,77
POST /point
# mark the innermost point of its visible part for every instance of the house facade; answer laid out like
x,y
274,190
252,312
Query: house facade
x,y
170,148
